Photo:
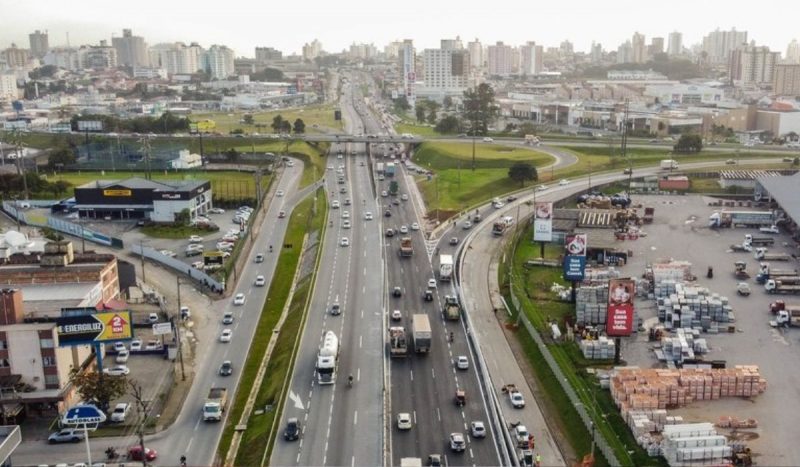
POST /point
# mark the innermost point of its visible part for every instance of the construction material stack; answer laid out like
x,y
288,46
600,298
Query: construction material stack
x,y
684,306
694,443
600,349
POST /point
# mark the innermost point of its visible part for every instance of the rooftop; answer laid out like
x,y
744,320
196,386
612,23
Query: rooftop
x,y
786,191
136,183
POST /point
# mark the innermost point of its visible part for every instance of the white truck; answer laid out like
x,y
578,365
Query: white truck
x,y
445,267
215,404
421,333
669,164
327,359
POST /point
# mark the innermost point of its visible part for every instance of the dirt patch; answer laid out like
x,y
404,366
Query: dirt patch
x,y
440,214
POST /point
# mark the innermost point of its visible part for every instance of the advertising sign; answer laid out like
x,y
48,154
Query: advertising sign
x,y
162,328
90,125
117,192
575,244
574,267
212,257
80,414
543,222
94,328
619,321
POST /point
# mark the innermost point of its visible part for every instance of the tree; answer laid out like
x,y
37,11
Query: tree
x,y
479,109
277,123
419,110
448,125
299,126
401,105
97,388
232,155
522,172
183,216
267,74
286,126
689,144
433,109
447,102
61,157
247,119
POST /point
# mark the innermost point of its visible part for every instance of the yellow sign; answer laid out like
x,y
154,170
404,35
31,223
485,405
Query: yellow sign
x,y
116,326
116,192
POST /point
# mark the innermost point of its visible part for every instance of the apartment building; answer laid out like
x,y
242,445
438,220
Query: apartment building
x,y
131,50
8,87
218,61
718,45
675,44
753,65
639,49
500,59
39,43
476,56
786,80
446,69
531,59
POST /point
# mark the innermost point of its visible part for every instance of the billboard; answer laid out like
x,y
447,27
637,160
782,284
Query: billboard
x,y
94,328
543,222
212,257
90,125
619,321
575,257
203,126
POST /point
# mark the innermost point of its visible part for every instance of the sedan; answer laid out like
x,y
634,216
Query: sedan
x,y
67,435
135,453
292,430
281,214
345,214
541,187
403,229
238,299
346,224
120,412
119,370
404,197
260,281
457,443
462,362
404,421
345,241
216,211
122,356
478,429
136,345
466,225
169,253
279,193
195,239
414,226
563,182
368,216
488,140
454,241
226,335
226,369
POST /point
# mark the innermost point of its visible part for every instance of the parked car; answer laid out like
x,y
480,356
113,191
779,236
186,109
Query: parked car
x,y
136,345
118,370
122,356
195,239
120,412
66,435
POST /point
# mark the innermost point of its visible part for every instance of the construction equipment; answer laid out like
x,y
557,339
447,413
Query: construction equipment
x,y
741,270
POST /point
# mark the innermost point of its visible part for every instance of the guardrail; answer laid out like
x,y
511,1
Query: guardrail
x,y
177,265
60,225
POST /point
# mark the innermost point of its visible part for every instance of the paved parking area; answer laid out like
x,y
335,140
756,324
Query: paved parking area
x,y
680,232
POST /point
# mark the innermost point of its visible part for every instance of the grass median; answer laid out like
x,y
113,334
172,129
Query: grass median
x,y
320,115
254,440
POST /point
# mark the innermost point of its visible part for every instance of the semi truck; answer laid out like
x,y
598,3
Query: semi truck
x,y
766,273
391,168
779,305
328,358
451,310
421,333
215,404
764,255
741,219
500,227
445,267
406,248
759,240
398,342
669,164
777,286
787,318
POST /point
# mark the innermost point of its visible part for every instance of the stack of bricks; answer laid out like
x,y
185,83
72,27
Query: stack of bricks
x,y
600,275
674,270
650,389
591,304
601,349
684,306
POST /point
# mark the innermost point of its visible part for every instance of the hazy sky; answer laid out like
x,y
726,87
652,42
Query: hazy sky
x,y
286,25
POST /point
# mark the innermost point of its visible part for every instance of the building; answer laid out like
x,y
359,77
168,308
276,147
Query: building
x,y
500,59
408,65
625,53
63,57
218,61
639,48
312,50
793,52
753,65
451,44
15,57
39,43
596,53
131,50
779,123
718,45
391,51
685,94
675,44
186,160
268,54
8,87
786,80
475,53
446,69
531,59
97,57
137,198
177,58
656,46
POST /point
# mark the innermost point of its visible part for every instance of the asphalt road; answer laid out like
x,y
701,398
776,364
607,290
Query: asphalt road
x,y
343,425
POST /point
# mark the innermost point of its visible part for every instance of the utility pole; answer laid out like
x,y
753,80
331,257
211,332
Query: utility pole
x,y
141,255
624,145
178,329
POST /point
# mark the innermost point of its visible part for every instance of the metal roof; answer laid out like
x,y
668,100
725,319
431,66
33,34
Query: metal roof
x,y
136,183
786,192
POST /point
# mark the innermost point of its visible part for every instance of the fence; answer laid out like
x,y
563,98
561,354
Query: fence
x,y
60,225
177,265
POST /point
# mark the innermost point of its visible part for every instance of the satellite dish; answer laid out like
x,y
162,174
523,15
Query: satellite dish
x,y
15,239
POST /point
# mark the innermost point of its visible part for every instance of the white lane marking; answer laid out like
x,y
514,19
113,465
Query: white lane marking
x,y
360,341
411,373
414,413
189,446
438,414
353,461
433,373
196,425
358,374
297,461
355,418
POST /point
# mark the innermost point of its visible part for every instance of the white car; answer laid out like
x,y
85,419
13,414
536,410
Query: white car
x,y
396,315
119,370
478,429
169,253
462,362
345,241
563,182
404,421
403,229
457,443
330,167
486,139
238,299
120,412
404,197
195,239
260,281
226,335
517,400
335,204
384,193
346,224
467,225
279,193
216,211
414,226
345,214
227,318
136,345
541,187
368,216
122,356
119,346
522,435
498,204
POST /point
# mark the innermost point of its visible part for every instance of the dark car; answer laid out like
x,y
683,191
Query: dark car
x,y
135,453
292,430
428,296
226,369
388,213
397,292
511,198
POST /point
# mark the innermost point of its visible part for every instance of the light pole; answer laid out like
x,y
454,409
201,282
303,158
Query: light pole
x,y
141,255
178,329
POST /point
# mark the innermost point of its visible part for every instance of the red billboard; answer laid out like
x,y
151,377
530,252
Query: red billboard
x,y
619,321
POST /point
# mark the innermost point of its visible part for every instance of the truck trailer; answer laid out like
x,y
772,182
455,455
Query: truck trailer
x,y
391,169
776,286
445,267
741,219
421,333
398,341
759,240
328,359
764,255
215,404
669,164
406,247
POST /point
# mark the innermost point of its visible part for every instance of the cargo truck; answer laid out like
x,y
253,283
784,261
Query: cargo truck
x,y
500,227
759,240
215,404
406,248
393,188
391,168
411,462
669,164
421,333
445,267
741,219
379,168
764,255
787,318
398,342
779,305
328,359
776,286
779,274
451,310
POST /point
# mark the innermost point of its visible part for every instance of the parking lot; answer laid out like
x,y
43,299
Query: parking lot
x,y
680,232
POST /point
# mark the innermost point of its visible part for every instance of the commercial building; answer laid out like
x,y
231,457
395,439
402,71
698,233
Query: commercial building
x,y
685,94
675,44
446,69
785,191
500,60
137,198
786,80
531,59
131,50
39,43
753,65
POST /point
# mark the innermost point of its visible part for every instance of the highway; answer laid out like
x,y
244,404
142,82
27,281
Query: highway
x,y
343,425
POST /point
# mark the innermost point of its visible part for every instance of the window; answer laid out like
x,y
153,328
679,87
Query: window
x,y
4,363
48,361
3,345
51,380
46,343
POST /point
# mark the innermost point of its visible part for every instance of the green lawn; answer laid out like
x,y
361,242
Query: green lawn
x,y
416,130
460,187
312,115
168,231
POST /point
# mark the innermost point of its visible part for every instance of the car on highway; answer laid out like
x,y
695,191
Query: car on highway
x,y
345,241
477,429
404,197
497,204
396,202
367,216
66,435
541,187
226,369
260,281
396,315
343,190
168,253
292,430
135,454
387,213
397,292
403,229
462,362
226,335
428,296
238,300
121,411
117,370
335,204
279,193
511,198
136,345
435,460
432,283
454,240
336,309
457,443
259,258
281,214
466,225
486,139
414,226
517,401
521,434
122,356
403,421
346,224
384,193
563,182
347,202
195,239
730,162
390,232
227,318
345,214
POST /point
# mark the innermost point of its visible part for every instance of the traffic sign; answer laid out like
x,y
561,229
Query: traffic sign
x,y
161,328
81,414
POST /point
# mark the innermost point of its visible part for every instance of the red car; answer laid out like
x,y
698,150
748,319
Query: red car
x,y
135,453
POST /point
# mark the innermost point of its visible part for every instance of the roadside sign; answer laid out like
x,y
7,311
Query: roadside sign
x,y
161,328
81,414
94,328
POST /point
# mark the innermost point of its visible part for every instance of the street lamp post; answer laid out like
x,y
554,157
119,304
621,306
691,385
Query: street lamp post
x,y
178,330
141,255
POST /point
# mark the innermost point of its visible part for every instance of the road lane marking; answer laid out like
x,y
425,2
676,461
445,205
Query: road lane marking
x,y
196,425
189,446
438,414
411,372
355,418
415,417
433,373
360,341
353,461
297,461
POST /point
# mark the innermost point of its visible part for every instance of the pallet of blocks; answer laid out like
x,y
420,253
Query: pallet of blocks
x,y
694,444
601,349
591,304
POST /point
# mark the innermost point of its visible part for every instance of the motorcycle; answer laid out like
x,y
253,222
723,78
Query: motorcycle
x,y
112,454
710,273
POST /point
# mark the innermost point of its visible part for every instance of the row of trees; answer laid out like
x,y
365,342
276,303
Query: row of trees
x,y
284,126
166,123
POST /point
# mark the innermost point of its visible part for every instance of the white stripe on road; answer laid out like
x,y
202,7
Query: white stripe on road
x,y
355,418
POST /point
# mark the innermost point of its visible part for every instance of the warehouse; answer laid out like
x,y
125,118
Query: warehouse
x,y
137,198
785,192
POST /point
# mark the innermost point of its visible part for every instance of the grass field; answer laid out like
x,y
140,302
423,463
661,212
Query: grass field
x,y
456,186
322,116
416,130
253,443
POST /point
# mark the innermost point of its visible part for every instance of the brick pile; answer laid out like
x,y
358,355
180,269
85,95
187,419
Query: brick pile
x,y
600,349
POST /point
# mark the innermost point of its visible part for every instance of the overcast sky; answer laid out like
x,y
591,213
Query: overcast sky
x,y
286,25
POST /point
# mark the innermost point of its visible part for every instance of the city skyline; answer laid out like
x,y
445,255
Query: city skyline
x,y
242,27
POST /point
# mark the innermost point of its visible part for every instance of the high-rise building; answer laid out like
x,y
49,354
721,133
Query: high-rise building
x,y
178,58
98,57
408,63
452,44
391,51
531,59
16,57
8,87
131,50
312,50
793,52
753,65
63,57
675,46
475,53
39,43
625,53
566,49
267,54
597,53
639,48
446,69
786,81
500,59
718,45
656,46
218,61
